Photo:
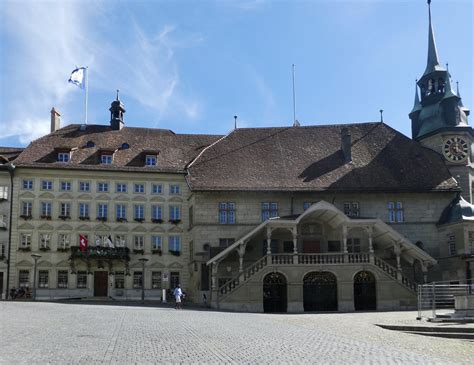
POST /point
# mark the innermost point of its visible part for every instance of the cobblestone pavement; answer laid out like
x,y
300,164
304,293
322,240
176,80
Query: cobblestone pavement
x,y
97,334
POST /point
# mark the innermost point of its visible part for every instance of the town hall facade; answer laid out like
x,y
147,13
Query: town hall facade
x,y
286,219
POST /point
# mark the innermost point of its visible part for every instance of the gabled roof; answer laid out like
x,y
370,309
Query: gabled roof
x,y
310,158
9,153
175,150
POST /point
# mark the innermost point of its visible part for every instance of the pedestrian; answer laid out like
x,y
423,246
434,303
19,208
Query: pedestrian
x,y
178,293
204,299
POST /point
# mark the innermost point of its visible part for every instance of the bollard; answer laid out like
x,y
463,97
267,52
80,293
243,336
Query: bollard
x,y
164,296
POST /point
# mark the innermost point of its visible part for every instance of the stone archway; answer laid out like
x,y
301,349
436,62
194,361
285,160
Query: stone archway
x,y
274,293
320,292
365,297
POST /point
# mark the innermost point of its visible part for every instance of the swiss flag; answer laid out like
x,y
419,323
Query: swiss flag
x,y
83,242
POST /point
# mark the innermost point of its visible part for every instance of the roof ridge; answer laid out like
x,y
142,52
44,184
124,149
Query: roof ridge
x,y
316,125
206,148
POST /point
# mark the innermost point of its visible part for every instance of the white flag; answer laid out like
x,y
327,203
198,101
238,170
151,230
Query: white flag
x,y
78,77
109,243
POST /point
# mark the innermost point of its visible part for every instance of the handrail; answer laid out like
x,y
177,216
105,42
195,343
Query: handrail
x,y
248,272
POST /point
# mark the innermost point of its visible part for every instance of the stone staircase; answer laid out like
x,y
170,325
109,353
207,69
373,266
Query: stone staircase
x,y
313,259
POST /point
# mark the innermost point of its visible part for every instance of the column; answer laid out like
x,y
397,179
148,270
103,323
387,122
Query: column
x,y
397,249
424,269
214,275
294,231
371,245
269,240
241,252
344,239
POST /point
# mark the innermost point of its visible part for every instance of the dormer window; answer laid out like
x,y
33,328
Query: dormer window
x,y
90,144
150,160
106,159
64,156
125,146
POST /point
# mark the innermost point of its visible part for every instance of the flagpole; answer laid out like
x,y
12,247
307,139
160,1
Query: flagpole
x,y
87,91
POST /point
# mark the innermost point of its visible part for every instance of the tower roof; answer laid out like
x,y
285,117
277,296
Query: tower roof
x,y
416,105
432,63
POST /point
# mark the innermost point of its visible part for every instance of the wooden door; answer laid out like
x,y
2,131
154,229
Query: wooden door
x,y
101,283
313,246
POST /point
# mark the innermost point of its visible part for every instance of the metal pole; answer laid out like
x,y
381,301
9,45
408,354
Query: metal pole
x,y
294,96
143,281
35,257
87,91
433,304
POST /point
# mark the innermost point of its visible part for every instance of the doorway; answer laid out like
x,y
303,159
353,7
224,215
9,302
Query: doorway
x,y
364,291
320,292
274,293
101,283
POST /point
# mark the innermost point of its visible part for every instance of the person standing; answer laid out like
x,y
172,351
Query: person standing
x,y
178,293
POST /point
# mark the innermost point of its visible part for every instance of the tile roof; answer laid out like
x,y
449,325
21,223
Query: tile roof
x,y
310,158
10,153
175,151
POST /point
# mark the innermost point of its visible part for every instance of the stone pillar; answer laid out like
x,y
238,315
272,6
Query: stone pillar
x,y
295,245
344,239
371,245
215,266
398,250
241,252
269,240
424,269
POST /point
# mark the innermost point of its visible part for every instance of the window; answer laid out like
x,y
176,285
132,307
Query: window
x,y
63,156
81,279
471,242
334,246
43,279
137,279
84,186
121,188
65,210
63,241
46,209
353,245
103,187
27,208
139,188
156,279
288,247
174,243
157,189
62,279
139,212
119,280
121,211
227,213
395,212
156,243
226,242
156,212
65,185
25,240
106,159
452,245
83,210
28,184
269,210
102,211
351,209
2,250
24,279
175,190
174,279
175,213
45,239
120,241
138,242
3,192
3,221
150,160
46,185
306,205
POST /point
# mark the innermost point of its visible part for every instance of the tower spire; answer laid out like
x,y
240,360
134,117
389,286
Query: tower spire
x,y
432,62
416,104
459,94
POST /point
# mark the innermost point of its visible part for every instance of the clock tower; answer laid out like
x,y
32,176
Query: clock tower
x,y
439,119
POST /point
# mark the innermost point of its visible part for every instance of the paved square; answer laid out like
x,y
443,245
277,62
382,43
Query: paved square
x,y
97,334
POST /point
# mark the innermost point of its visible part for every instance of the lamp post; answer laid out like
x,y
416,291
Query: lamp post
x,y
143,261
35,257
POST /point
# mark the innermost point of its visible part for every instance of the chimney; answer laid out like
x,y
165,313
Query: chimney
x,y
346,144
55,120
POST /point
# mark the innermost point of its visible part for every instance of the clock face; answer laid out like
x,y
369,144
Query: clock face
x,y
455,149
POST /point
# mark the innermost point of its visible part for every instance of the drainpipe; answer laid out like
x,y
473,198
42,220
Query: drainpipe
x,y
11,171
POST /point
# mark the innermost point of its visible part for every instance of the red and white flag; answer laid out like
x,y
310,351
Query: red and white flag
x,y
83,242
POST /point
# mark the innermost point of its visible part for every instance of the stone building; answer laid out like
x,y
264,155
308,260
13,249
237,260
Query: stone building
x,y
7,155
303,218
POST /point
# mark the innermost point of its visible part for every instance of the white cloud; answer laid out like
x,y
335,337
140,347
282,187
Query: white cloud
x,y
49,39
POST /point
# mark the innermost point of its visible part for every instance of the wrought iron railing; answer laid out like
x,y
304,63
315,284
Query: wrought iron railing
x,y
120,253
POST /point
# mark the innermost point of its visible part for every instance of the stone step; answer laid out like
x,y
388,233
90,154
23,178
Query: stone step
x,y
428,329
454,335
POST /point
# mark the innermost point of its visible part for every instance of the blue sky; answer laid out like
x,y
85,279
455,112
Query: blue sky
x,y
190,66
